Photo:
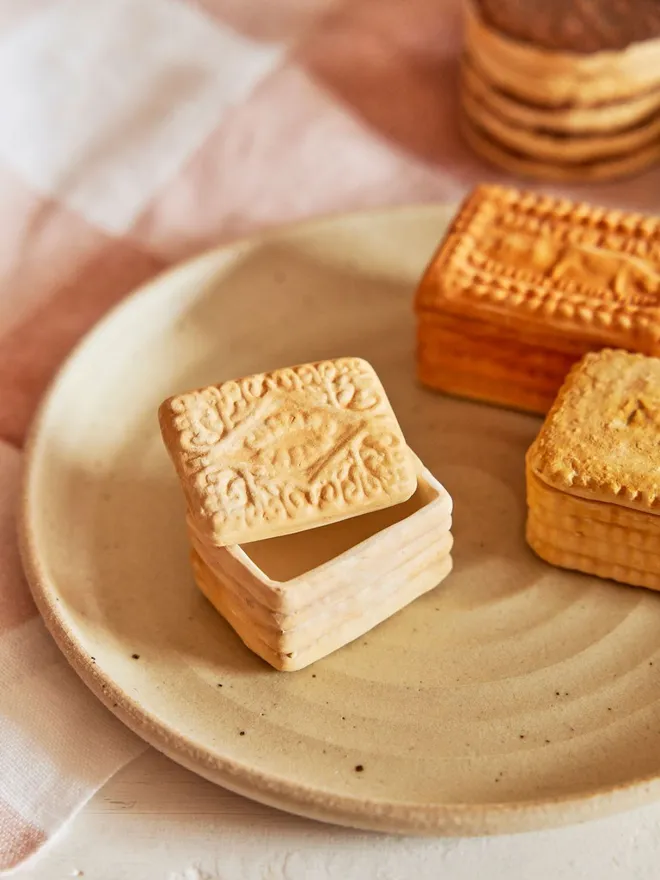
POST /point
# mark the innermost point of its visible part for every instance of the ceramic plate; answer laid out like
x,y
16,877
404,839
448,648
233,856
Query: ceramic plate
x,y
514,696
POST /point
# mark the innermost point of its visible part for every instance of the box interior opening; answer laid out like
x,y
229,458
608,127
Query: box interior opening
x,y
290,556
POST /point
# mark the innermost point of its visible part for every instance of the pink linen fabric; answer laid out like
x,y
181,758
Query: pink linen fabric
x,y
132,135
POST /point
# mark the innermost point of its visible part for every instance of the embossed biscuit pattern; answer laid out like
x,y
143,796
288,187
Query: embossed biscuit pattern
x,y
547,261
287,450
600,439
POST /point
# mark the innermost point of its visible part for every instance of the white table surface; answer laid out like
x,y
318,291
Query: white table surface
x,y
157,821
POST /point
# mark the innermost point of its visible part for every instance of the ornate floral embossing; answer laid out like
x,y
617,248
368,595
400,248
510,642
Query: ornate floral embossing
x,y
638,410
291,444
546,259
538,258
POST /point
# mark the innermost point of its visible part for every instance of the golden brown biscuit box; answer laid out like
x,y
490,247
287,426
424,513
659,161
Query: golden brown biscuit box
x,y
523,285
593,472
310,520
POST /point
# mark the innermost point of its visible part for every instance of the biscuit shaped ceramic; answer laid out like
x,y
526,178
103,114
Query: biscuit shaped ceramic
x,y
279,452
310,520
297,598
593,473
524,285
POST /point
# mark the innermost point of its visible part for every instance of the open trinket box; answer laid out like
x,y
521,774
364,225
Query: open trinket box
x,y
310,520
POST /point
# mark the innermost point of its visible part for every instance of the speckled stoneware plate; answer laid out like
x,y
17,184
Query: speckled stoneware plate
x,y
514,696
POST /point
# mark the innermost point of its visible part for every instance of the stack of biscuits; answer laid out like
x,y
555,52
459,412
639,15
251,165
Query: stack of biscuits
x,y
310,520
565,90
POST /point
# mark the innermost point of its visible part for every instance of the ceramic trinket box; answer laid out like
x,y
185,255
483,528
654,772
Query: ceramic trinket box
x,y
310,520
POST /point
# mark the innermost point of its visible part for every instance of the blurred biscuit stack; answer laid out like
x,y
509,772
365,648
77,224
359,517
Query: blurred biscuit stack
x,y
565,90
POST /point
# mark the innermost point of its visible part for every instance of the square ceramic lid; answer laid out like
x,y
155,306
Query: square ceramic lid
x,y
534,263
601,439
289,450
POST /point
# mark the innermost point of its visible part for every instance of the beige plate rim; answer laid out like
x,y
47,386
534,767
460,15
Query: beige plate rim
x,y
357,812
